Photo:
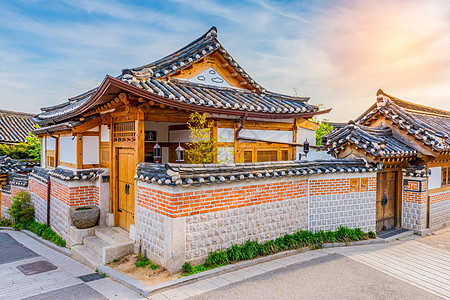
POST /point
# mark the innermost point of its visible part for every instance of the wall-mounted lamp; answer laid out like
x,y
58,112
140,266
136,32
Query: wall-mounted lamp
x,y
179,154
157,153
380,165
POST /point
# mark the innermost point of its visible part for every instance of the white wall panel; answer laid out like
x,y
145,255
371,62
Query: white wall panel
x,y
68,149
435,179
43,153
104,133
225,154
90,150
225,135
51,143
270,135
303,134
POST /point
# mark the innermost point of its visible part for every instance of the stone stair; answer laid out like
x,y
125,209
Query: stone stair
x,y
103,247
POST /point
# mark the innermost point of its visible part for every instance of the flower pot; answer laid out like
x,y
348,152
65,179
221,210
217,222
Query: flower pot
x,y
85,216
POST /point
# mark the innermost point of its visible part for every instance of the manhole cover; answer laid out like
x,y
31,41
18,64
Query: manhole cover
x,y
36,267
91,277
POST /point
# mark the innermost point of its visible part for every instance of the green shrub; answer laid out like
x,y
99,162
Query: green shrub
x,y
43,231
21,210
187,268
4,222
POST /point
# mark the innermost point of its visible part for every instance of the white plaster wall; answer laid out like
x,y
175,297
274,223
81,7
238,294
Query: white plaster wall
x,y
303,134
179,136
225,135
435,180
51,143
90,150
104,133
43,153
68,149
270,135
161,128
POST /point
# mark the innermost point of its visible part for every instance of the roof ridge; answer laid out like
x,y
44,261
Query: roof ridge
x,y
12,112
419,107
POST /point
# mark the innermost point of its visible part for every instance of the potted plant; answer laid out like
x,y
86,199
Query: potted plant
x,y
85,216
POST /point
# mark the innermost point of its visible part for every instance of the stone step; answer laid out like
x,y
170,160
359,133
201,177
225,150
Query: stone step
x,y
95,244
111,236
86,256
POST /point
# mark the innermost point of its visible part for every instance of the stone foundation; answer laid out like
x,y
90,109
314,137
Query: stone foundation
x,y
439,209
414,204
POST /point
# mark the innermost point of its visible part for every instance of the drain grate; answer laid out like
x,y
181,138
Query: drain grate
x,y
391,232
36,267
91,277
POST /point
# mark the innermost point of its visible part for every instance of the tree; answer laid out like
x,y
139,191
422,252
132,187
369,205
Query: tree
x,y
324,129
31,149
201,149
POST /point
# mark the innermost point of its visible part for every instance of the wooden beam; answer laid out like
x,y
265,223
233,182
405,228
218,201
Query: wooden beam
x,y
87,125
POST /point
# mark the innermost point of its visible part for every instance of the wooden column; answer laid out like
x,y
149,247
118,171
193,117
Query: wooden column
x,y
79,151
140,139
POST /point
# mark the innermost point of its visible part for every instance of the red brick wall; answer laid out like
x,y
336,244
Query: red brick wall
x,y
75,196
441,197
37,187
335,186
6,200
414,197
199,202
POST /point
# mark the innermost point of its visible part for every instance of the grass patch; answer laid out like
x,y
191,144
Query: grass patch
x,y
253,249
143,262
43,231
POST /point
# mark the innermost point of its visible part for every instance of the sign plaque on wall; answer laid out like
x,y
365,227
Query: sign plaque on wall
x,y
150,136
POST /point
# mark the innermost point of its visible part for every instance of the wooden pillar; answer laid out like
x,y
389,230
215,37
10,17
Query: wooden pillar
x,y
294,139
236,143
79,151
140,138
215,140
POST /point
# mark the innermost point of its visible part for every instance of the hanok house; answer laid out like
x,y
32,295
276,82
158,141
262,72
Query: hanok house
x,y
411,142
15,126
92,145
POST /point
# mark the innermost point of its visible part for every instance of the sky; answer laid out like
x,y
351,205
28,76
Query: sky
x,y
339,53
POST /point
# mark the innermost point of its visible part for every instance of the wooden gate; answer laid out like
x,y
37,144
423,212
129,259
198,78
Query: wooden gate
x,y
386,200
125,187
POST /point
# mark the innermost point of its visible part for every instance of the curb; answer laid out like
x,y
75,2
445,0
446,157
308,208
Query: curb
x,y
146,291
49,244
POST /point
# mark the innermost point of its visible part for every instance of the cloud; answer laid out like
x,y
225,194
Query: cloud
x,y
338,53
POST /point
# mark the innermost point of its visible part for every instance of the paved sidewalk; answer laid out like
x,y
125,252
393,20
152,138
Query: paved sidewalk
x,y
398,270
64,282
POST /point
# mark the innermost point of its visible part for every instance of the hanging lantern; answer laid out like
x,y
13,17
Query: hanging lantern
x,y
179,153
157,153
324,140
306,147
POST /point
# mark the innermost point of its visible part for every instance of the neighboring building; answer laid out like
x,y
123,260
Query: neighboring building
x,y
15,126
412,143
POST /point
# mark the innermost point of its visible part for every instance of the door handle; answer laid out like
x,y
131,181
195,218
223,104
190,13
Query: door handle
x,y
127,189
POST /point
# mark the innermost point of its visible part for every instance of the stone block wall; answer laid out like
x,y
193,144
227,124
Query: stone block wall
x,y
439,209
209,217
38,193
331,204
414,204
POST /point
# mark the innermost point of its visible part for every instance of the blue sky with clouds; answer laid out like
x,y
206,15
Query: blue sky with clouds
x,y
337,52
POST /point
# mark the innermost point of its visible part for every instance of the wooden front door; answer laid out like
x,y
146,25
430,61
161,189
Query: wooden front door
x,y
386,200
125,187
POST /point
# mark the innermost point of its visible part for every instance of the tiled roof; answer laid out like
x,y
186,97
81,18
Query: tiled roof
x,y
221,97
153,78
66,174
429,125
186,174
8,165
376,141
415,171
17,179
15,126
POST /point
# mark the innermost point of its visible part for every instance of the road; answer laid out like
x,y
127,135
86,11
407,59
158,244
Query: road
x,y
409,268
